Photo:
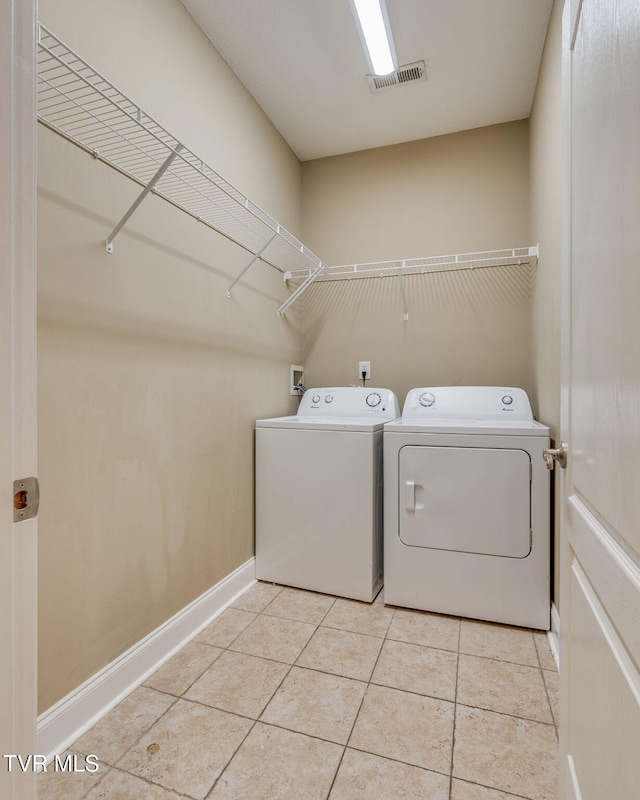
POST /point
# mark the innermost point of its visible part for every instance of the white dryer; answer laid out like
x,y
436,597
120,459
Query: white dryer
x,y
467,506
319,492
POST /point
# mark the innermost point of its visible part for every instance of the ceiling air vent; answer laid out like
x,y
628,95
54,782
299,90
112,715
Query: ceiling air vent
x,y
408,73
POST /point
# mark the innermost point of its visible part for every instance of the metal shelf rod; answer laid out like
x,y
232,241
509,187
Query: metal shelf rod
x,y
405,310
253,260
140,198
300,290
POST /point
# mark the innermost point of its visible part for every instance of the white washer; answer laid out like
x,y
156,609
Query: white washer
x,y
319,492
466,498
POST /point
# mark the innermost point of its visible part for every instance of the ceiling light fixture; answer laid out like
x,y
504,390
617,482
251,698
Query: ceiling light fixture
x,y
372,22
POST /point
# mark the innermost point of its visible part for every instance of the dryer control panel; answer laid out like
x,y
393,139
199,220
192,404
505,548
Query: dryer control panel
x,y
468,402
349,401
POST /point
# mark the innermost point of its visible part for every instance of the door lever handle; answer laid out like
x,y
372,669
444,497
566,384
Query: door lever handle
x,y
556,454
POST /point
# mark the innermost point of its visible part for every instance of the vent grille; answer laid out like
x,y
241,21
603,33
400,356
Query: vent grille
x,y
408,73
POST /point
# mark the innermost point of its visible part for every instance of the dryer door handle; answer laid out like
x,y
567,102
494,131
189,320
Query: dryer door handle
x,y
410,495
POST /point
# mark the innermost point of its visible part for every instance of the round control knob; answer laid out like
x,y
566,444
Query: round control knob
x,y
315,398
507,399
373,399
328,398
427,399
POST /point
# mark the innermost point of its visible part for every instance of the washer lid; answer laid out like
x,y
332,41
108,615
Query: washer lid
x,y
305,423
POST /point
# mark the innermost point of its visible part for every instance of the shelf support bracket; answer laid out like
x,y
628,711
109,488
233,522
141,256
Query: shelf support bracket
x,y
141,197
253,261
405,310
301,289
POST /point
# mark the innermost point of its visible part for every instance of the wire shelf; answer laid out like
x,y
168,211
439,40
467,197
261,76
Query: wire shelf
x,y
518,256
80,104
77,102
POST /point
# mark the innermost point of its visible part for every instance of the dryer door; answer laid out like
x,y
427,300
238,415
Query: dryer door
x,y
467,499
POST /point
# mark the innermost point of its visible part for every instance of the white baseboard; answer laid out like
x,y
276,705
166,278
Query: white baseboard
x,y
69,718
554,635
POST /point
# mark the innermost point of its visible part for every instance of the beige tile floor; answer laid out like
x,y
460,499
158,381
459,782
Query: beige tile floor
x,y
292,695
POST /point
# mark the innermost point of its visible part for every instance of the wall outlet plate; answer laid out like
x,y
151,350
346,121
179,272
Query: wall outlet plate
x,y
296,377
364,366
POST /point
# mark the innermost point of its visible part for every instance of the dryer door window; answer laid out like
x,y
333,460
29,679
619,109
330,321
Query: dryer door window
x,y
466,499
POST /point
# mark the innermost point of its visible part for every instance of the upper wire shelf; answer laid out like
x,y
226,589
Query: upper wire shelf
x,y
518,256
80,104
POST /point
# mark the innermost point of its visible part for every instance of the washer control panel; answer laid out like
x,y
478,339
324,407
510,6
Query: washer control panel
x,y
349,401
468,402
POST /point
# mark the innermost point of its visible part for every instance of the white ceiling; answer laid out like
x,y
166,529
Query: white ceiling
x,y
303,63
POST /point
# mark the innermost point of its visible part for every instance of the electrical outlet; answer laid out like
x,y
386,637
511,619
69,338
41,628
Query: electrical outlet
x,y
364,367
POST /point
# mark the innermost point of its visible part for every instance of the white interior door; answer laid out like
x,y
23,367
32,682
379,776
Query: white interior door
x,y
17,395
600,570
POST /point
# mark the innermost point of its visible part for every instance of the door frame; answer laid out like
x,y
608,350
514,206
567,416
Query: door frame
x,y
18,540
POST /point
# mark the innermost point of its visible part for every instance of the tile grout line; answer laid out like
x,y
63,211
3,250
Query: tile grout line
x,y
492,789
255,721
181,696
357,714
455,711
233,755
507,714
300,733
544,683
121,769
546,688
115,764
98,782
176,699
501,660
148,782
146,730
404,763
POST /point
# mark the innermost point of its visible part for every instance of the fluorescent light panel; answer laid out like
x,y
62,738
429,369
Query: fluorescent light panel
x,y
375,33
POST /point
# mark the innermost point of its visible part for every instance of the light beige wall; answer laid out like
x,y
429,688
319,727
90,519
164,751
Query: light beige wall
x,y
546,228
451,194
155,53
150,379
